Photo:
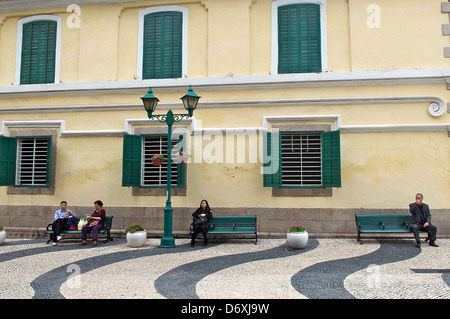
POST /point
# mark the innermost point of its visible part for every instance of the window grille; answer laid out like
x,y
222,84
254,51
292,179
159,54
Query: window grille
x,y
157,175
32,159
301,159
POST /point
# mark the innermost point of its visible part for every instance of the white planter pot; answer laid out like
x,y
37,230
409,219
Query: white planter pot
x,y
2,236
137,239
297,239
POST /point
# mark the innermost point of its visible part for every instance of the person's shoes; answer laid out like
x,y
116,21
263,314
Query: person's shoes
x,y
418,244
53,243
94,245
192,245
82,244
58,238
432,243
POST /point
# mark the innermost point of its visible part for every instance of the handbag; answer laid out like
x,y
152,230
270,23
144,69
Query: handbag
x,y
72,222
93,223
82,222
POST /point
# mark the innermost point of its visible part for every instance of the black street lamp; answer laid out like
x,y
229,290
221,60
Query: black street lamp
x,y
190,101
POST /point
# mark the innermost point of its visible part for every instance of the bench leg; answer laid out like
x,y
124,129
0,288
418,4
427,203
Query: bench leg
x,y
50,239
359,238
256,238
108,236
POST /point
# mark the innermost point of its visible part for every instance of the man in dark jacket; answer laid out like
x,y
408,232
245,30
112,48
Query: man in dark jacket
x,y
421,220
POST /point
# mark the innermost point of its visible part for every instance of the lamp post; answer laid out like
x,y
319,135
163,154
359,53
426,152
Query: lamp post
x,y
190,101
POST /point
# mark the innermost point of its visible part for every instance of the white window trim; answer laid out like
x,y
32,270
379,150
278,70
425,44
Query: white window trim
x,y
274,27
184,54
20,24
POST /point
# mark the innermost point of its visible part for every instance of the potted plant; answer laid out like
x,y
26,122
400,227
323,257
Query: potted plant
x,y
2,234
183,157
297,236
136,235
158,159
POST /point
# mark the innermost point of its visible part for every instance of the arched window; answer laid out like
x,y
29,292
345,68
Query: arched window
x,y
162,46
298,36
38,50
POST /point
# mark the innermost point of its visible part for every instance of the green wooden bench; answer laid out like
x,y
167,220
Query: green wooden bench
x,y
382,223
105,230
231,225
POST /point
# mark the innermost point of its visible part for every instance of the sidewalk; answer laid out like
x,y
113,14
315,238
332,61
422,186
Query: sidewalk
x,y
234,269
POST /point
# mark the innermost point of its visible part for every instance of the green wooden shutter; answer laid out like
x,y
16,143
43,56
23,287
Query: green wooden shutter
x,y
331,159
131,168
38,52
8,150
272,159
48,176
162,56
299,39
181,167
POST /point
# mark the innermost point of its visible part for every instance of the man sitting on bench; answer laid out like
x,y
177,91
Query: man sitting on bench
x,y
63,219
421,220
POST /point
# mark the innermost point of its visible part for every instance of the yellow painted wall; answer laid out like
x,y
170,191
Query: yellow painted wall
x,y
233,38
385,170
403,40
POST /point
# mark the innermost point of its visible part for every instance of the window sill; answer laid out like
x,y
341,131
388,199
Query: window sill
x,y
302,192
153,191
30,190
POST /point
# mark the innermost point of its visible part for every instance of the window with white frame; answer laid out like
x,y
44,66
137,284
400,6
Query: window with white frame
x,y
299,36
162,42
38,51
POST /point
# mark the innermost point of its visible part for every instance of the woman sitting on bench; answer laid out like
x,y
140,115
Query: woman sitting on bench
x,y
97,220
203,215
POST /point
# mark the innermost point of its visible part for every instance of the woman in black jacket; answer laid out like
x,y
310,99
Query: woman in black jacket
x,y
203,215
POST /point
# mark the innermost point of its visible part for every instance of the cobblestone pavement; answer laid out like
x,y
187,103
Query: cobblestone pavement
x,y
233,269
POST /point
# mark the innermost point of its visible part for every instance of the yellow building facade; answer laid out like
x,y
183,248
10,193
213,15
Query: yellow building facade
x,y
310,110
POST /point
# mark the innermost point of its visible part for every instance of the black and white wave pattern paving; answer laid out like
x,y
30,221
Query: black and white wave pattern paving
x,y
326,268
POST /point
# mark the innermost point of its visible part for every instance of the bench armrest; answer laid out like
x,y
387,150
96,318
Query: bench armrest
x,y
50,227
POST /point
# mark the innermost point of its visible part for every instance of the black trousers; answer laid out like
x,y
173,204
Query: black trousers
x,y
431,229
197,228
58,226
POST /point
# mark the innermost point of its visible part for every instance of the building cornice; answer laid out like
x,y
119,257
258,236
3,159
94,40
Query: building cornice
x,y
19,5
436,105
195,128
358,78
